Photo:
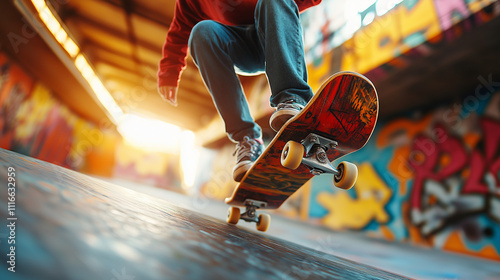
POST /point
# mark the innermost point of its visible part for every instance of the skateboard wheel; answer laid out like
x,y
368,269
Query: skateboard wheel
x,y
347,177
264,222
233,215
292,155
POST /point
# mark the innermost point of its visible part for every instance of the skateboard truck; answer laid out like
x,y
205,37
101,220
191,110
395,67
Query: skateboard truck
x,y
250,214
316,159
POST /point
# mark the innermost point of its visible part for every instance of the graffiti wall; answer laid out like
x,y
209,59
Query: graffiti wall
x,y
432,178
374,36
33,122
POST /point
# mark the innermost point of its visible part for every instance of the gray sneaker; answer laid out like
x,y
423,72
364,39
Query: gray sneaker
x,y
247,152
284,112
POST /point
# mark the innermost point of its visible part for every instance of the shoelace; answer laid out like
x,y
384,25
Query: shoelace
x,y
247,147
290,104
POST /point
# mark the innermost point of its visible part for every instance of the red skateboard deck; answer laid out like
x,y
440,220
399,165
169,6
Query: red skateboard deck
x,y
344,109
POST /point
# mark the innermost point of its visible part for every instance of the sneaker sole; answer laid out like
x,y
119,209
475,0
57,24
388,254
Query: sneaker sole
x,y
240,170
279,118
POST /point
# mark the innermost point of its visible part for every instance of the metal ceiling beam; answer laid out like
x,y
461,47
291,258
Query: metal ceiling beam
x,y
81,20
93,47
128,8
143,12
199,105
189,90
190,78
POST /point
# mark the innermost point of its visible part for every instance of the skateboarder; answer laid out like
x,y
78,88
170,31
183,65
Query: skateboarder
x,y
226,37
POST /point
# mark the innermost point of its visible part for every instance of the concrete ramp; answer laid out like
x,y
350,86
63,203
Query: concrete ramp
x,y
66,225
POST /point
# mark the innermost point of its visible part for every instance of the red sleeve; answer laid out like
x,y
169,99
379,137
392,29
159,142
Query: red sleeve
x,y
175,48
306,4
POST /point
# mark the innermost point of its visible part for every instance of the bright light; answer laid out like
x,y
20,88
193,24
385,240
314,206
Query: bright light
x,y
189,158
157,136
368,18
362,5
99,89
55,27
354,8
84,67
71,47
383,6
49,20
39,4
61,35
149,134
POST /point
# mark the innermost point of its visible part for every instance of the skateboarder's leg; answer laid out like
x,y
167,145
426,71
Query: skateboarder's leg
x,y
280,34
217,50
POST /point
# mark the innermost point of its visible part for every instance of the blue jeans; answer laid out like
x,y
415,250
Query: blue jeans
x,y
273,44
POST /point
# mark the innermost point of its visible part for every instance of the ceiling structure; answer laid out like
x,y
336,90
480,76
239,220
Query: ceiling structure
x,y
123,39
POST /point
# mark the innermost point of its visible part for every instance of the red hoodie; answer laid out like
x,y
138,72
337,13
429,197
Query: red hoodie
x,y
188,13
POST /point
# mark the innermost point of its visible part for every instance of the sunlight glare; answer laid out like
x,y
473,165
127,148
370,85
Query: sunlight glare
x,y
150,134
189,158
383,6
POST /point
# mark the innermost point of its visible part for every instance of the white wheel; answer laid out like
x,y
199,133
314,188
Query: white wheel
x,y
233,215
264,222
292,155
347,177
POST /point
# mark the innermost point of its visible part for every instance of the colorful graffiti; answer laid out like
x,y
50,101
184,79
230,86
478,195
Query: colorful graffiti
x,y
375,37
432,180
344,211
15,86
33,122
441,160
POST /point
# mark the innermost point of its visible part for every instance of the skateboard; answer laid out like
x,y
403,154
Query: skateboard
x,y
338,120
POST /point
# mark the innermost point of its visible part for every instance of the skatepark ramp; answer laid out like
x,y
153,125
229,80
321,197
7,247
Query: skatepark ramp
x,y
60,224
